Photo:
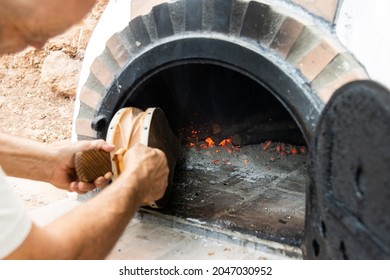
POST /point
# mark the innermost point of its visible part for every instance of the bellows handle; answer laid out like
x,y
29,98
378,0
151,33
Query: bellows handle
x,y
93,164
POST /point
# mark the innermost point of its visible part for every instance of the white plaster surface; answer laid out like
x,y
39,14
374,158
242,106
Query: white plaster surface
x,y
115,18
363,27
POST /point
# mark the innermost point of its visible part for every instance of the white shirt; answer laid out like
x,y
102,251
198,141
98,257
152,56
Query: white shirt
x,y
15,223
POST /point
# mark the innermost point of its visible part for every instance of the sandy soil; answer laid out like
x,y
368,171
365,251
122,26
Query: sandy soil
x,y
30,109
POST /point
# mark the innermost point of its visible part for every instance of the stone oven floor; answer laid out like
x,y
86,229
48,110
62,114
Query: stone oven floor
x,y
253,190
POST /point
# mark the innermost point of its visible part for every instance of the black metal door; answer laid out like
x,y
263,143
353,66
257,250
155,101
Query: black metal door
x,y
348,199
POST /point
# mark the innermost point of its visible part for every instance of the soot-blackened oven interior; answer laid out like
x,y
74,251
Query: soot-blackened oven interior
x,y
243,167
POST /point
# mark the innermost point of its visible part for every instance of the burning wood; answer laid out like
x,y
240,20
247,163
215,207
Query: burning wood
x,y
282,149
220,131
272,137
283,131
250,130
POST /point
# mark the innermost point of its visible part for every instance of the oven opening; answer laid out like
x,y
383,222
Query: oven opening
x,y
243,168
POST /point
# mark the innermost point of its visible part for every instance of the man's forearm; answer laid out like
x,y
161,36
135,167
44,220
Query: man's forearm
x,y
26,158
97,232
87,232
91,230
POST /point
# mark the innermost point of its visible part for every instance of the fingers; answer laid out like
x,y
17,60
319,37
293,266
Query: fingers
x,y
103,181
107,147
96,145
63,173
83,187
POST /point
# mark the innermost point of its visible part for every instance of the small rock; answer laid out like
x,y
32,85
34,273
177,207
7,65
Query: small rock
x,y
60,73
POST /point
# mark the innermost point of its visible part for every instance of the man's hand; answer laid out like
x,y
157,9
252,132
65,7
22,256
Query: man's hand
x,y
64,174
147,171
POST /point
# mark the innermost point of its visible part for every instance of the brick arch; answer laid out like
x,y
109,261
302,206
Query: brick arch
x,y
298,45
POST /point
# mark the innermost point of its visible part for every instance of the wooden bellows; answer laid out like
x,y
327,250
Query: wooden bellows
x,y
128,127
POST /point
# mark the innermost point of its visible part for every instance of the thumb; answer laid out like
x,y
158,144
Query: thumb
x,y
96,145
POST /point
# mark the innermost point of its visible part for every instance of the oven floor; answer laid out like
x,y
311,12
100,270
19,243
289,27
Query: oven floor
x,y
250,191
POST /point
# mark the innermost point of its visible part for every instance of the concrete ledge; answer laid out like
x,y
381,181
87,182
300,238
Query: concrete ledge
x,y
152,239
44,215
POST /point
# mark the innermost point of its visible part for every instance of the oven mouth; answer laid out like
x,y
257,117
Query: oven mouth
x,y
256,189
272,73
203,90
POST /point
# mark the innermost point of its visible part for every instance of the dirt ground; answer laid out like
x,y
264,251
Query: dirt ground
x,y
30,108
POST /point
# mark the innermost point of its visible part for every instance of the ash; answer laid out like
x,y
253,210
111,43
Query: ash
x,y
250,163
255,189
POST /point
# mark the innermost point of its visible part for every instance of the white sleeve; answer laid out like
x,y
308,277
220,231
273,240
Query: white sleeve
x,y
15,223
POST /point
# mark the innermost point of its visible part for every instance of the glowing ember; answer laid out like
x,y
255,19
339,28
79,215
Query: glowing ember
x,y
210,142
294,151
225,142
266,145
203,146
221,152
